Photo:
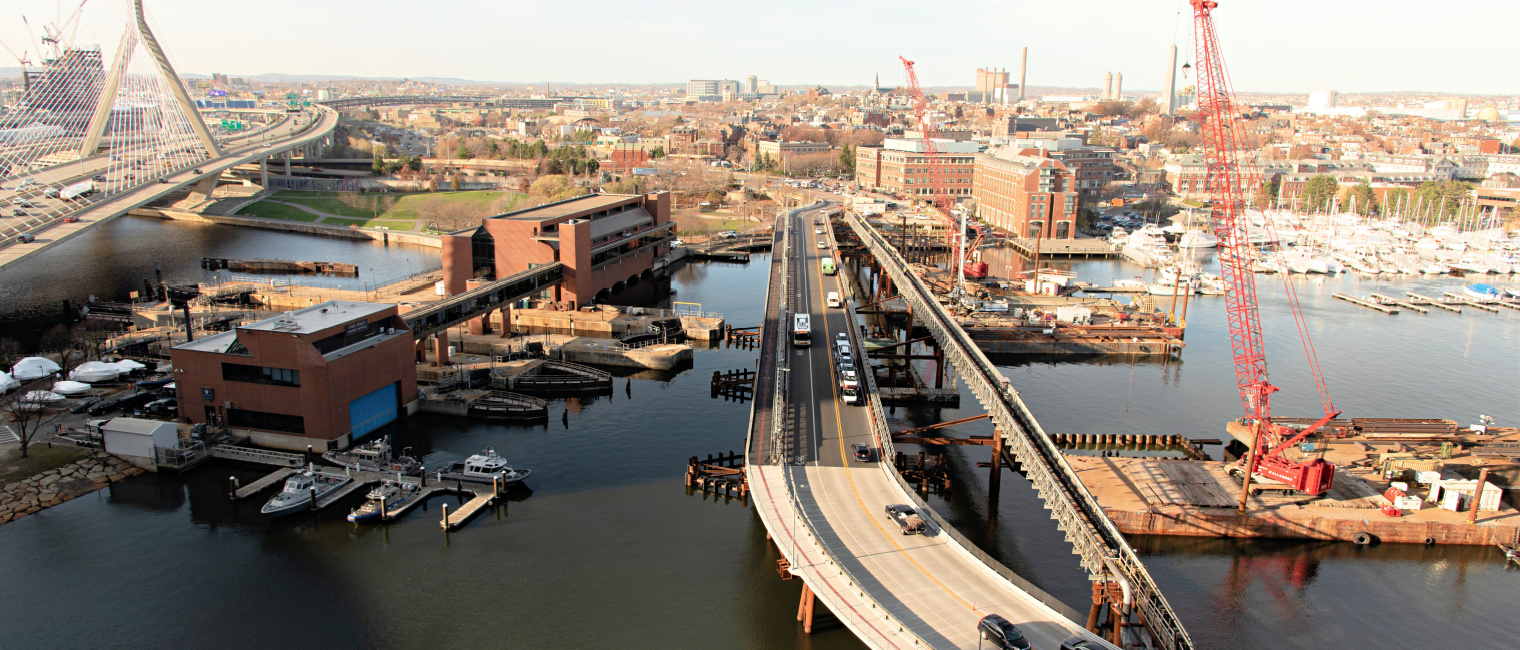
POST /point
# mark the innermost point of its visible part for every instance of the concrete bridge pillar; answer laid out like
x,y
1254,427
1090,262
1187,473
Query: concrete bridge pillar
x,y
419,348
481,325
506,321
288,155
264,172
441,348
994,480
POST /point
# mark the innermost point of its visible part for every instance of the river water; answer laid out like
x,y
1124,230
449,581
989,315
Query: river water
x,y
608,546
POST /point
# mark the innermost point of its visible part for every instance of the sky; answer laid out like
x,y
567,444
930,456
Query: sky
x,y
1284,46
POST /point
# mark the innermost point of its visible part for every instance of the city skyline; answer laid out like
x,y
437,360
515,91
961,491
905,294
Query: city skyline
x,y
1271,49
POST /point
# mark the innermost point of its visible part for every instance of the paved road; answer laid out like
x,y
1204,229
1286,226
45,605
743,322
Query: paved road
x,y
115,205
926,582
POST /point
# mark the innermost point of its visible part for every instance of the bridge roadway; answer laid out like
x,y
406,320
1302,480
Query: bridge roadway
x,y
826,511
265,143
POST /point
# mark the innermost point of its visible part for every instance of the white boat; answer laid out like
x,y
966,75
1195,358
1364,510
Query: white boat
x,y
299,490
373,457
1428,244
1482,291
1198,239
1129,283
1470,265
1330,264
1361,265
389,495
1435,268
34,368
94,371
1183,288
483,468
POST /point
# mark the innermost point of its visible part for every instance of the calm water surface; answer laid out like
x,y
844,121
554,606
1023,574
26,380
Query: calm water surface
x,y
608,546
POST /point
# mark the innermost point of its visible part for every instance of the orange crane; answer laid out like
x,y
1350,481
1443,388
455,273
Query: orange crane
x,y
938,183
1223,140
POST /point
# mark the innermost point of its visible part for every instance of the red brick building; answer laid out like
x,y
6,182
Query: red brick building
x,y
901,166
324,376
605,241
1024,193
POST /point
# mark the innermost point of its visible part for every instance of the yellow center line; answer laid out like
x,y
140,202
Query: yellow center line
x,y
843,457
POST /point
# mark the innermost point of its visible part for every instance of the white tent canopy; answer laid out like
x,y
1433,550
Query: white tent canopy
x,y
93,371
70,388
34,368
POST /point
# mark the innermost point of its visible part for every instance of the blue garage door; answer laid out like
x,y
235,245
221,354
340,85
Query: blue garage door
x,y
372,411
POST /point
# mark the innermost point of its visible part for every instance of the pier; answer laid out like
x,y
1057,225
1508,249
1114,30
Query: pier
x,y
1402,304
1366,303
1418,299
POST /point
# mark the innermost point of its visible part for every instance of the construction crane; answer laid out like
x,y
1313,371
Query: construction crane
x,y
940,198
1223,135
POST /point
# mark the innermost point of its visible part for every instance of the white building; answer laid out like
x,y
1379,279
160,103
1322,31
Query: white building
x,y
136,439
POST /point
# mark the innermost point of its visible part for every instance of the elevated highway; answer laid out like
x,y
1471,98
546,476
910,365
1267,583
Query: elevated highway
x,y
280,140
825,511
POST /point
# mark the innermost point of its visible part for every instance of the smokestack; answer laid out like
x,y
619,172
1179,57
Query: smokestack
x,y
1171,82
1108,86
1118,87
1023,68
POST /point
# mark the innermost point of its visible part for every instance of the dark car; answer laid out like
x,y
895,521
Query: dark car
x,y
25,239
197,170
911,523
1079,643
165,181
862,452
168,407
18,213
85,404
98,178
1001,634
131,403
71,219
102,407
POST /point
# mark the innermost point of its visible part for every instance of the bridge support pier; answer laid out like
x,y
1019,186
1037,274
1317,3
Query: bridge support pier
x,y
995,479
441,348
264,172
805,609
506,322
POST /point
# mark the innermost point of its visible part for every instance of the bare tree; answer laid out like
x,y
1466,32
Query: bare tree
x,y
27,418
66,343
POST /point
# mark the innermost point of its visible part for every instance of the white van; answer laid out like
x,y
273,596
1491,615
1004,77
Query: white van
x,y
832,300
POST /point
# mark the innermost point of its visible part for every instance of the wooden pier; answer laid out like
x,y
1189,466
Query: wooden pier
x,y
453,520
1464,300
1427,300
278,476
1402,304
1366,303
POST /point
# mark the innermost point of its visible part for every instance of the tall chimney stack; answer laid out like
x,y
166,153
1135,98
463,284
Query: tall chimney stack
x,y
1171,82
1108,86
1023,68
1118,87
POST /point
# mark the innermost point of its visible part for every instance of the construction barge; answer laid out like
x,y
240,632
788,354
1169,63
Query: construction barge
x,y
1396,480
280,266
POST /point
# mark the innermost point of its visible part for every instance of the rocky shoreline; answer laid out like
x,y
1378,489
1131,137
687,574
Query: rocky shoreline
x,y
55,486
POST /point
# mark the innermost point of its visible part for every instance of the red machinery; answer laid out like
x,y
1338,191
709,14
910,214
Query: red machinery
x,y
940,199
1223,134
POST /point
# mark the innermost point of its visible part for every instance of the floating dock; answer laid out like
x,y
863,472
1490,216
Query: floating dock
x,y
1366,303
1402,304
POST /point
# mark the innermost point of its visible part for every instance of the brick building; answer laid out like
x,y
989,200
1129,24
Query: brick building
x,y
1025,193
324,376
901,166
605,241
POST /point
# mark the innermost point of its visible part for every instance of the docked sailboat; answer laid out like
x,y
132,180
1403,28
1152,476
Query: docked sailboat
x,y
1198,239
483,467
300,491
385,497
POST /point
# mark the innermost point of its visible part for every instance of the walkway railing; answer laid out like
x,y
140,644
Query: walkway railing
x,y
1095,538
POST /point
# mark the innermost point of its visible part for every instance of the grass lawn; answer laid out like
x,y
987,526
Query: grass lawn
x,y
40,459
404,207
371,223
267,210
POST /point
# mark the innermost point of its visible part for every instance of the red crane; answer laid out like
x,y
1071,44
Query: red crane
x,y
1223,136
938,183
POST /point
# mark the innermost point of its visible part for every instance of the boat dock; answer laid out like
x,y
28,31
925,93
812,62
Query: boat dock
x,y
278,476
1366,303
1464,300
1418,299
1402,304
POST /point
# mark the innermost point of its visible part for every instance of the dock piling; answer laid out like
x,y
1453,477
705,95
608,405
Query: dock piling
x,y
445,522
232,481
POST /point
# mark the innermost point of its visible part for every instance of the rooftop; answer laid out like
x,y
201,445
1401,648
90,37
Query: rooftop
x,y
318,317
588,203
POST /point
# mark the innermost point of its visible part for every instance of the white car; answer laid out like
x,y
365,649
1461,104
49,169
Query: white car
x,y
823,245
818,231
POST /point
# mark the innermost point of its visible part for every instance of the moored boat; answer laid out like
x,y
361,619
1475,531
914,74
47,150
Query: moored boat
x,y
483,467
300,491
385,497
373,457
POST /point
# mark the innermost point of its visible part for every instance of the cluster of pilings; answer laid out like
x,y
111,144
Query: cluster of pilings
x,y
723,475
735,384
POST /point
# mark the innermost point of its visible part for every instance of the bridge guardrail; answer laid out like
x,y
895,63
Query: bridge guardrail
x,y
1093,535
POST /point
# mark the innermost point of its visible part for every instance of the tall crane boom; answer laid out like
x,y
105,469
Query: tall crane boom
x,y
1223,140
939,185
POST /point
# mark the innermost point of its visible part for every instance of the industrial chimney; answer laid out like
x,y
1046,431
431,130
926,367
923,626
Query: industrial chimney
x,y
1108,86
1024,68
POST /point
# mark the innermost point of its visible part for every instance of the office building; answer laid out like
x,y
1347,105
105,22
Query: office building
x,y
901,166
1025,193
325,376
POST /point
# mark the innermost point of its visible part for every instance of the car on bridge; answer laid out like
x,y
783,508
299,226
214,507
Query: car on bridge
x,y
1001,633
910,522
862,452
1079,643
71,219
25,238
822,245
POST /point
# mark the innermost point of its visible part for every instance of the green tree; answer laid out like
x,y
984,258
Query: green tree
x,y
1319,191
463,152
1266,196
454,181
1397,201
1366,199
1436,199
377,165
657,152
414,163
847,159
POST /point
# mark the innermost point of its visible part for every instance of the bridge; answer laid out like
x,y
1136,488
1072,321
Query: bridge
x,y
825,511
96,136
437,317
400,100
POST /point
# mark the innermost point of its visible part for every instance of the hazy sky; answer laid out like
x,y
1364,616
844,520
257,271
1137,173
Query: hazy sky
x,y
1279,46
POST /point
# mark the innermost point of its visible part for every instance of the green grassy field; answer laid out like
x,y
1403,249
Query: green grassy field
x,y
370,223
403,206
267,210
